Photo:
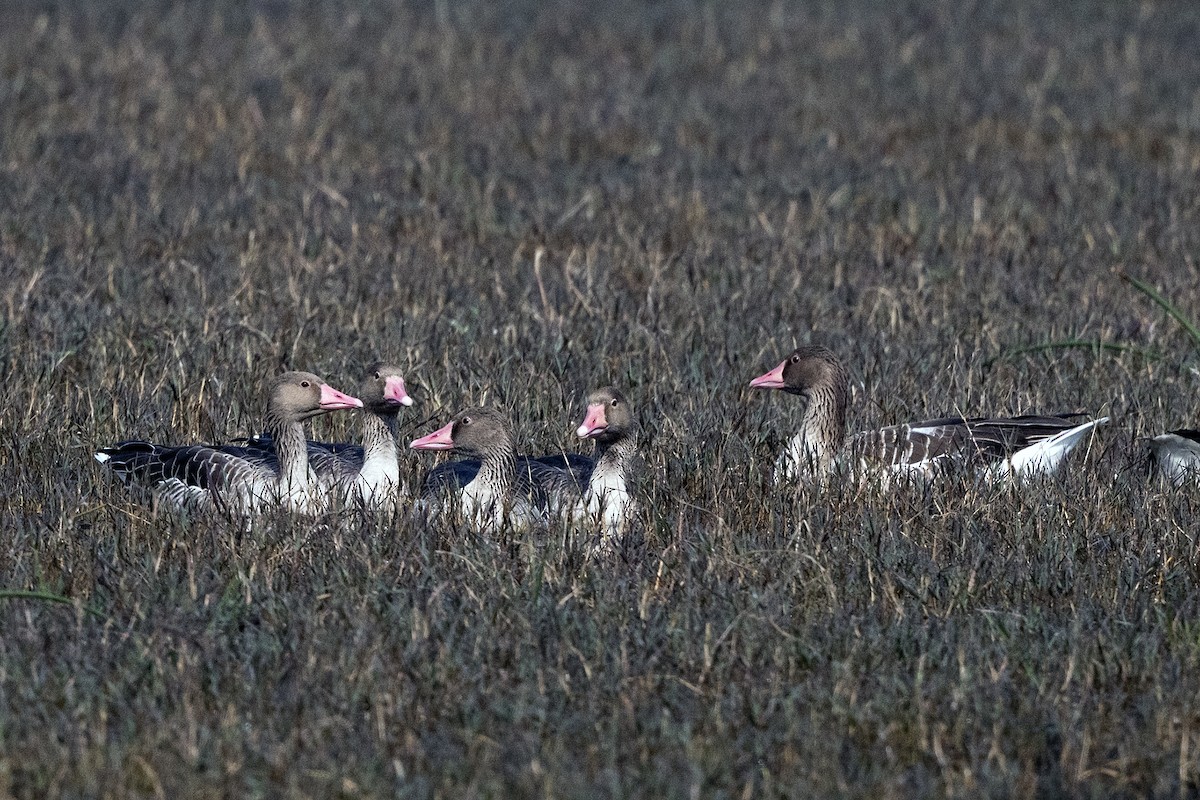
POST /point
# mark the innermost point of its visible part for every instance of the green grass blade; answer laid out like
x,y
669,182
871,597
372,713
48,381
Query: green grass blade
x,y
1076,344
1165,305
50,597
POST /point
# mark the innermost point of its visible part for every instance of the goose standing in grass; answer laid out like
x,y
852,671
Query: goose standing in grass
x,y
238,480
490,486
1176,455
1020,446
366,474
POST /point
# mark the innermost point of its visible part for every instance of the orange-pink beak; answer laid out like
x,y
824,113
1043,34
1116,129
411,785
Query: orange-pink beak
x,y
594,423
393,391
332,399
438,440
771,380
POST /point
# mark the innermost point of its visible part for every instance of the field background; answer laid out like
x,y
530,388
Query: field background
x,y
195,196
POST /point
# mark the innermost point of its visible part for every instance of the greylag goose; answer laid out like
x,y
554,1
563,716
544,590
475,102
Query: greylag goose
x,y
238,480
611,476
368,473
1020,446
490,485
1176,455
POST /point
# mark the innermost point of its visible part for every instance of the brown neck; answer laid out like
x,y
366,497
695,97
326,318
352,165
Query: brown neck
x,y
498,468
290,449
823,429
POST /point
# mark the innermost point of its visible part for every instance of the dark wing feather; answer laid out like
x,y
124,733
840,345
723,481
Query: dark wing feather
x,y
957,438
187,473
1188,433
549,487
451,476
579,467
997,439
340,459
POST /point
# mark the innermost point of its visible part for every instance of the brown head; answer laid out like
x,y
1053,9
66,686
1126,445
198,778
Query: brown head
x,y
608,417
297,396
474,432
382,390
806,370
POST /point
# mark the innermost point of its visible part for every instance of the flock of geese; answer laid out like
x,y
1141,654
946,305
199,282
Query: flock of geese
x,y
491,485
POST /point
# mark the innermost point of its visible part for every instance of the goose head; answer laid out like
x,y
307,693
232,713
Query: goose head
x,y
297,396
475,432
808,368
382,390
608,416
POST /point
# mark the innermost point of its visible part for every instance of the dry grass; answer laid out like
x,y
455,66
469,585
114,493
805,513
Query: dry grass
x,y
191,199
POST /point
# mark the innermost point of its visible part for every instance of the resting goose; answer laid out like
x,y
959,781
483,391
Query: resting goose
x,y
610,477
1176,455
1021,446
368,473
238,480
492,488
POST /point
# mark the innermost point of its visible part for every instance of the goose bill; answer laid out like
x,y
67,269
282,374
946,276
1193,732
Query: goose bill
x,y
594,423
438,440
393,391
772,379
332,399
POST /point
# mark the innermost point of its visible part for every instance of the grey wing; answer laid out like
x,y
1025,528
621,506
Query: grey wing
x,y
548,487
337,460
910,445
1176,455
191,476
451,476
995,439
579,467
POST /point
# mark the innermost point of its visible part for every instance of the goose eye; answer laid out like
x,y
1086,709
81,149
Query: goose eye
x,y
795,359
376,374
615,402
305,384
466,420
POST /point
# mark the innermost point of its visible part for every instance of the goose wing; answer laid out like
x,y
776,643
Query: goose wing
x,y
579,467
998,438
340,459
917,445
549,487
190,476
452,476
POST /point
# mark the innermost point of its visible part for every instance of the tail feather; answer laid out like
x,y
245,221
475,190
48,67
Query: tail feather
x,y
1044,457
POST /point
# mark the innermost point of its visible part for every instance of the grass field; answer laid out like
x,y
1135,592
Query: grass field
x,y
519,202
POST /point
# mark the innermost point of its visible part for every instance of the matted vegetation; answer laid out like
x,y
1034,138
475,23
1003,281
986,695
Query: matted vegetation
x,y
520,202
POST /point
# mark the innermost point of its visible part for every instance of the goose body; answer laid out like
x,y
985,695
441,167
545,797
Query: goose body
x,y
493,486
1176,455
609,496
235,479
1002,447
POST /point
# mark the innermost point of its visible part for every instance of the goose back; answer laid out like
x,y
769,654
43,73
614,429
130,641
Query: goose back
x,y
231,478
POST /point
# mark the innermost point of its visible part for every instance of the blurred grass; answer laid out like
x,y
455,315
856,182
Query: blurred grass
x,y
1166,305
519,202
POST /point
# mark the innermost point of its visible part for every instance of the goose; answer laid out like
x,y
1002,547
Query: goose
x,y
1014,446
369,473
490,485
610,476
238,480
1176,455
